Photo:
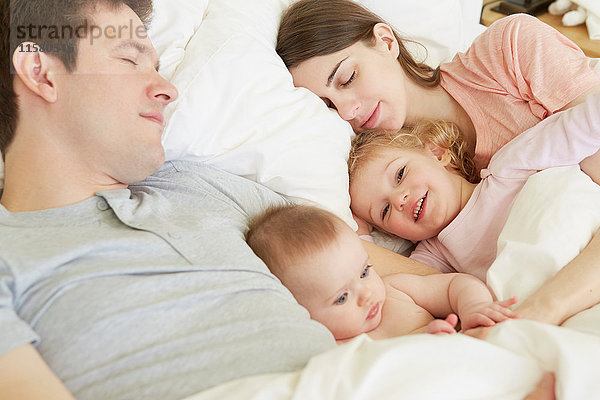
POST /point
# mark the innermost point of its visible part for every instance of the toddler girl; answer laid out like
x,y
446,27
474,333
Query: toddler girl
x,y
419,183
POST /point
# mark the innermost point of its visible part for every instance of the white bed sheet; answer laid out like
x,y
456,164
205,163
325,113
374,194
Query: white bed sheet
x,y
507,366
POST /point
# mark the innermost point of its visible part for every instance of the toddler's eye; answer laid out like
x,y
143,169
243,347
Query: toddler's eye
x,y
342,299
400,174
385,211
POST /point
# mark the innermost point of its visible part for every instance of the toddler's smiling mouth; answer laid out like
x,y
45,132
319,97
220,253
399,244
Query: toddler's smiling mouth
x,y
419,208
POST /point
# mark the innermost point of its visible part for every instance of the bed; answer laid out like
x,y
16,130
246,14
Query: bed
x,y
238,111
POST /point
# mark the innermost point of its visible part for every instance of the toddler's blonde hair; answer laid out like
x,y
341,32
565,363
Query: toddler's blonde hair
x,y
445,135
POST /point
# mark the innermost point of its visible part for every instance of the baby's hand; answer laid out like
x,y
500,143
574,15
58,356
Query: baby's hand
x,y
441,326
487,314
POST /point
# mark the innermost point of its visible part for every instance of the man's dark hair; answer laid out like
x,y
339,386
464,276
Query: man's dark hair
x,y
51,24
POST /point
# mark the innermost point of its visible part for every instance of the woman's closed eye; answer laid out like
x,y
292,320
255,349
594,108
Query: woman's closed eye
x,y
349,81
342,299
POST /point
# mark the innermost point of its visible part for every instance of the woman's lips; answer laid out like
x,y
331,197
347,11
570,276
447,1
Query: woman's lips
x,y
373,311
372,120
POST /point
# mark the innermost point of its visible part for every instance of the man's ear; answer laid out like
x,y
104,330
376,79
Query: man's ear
x,y
384,37
36,70
443,155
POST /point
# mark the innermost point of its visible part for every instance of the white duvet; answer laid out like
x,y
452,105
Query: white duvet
x,y
552,219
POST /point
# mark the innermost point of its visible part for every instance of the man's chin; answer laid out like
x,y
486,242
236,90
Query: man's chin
x,y
144,168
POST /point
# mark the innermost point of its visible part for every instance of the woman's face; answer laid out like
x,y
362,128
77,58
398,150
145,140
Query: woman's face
x,y
364,84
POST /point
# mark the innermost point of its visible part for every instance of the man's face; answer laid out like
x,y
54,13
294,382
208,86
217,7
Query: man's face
x,y
113,102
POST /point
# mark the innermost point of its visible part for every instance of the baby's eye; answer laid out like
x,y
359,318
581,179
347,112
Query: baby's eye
x,y
342,299
400,174
365,272
385,211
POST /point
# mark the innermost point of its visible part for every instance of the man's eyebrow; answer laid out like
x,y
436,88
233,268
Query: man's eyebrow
x,y
142,48
335,69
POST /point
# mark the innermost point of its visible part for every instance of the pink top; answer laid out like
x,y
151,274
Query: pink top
x,y
468,244
515,74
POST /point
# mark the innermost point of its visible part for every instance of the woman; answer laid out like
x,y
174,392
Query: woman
x,y
514,75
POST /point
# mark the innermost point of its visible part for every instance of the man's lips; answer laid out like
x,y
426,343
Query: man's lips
x,y
373,311
372,118
154,116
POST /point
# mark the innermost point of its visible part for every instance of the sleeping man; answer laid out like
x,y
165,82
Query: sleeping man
x,y
105,291
105,283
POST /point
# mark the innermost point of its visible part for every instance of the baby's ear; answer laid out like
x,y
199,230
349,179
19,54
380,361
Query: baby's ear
x,y
443,155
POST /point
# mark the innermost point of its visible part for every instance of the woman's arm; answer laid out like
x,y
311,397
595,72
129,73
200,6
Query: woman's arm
x,y
24,375
576,287
590,165
387,262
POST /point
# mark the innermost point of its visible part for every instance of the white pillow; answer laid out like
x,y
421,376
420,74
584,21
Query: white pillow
x,y
238,109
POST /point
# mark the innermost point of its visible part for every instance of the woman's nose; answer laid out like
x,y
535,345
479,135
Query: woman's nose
x,y
347,108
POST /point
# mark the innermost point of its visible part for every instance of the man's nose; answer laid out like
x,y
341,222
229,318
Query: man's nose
x,y
162,90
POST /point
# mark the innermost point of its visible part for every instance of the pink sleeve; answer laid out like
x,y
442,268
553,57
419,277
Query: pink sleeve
x,y
428,253
533,62
566,138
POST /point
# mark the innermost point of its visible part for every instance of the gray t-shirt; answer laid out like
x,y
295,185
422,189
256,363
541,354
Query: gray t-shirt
x,y
151,292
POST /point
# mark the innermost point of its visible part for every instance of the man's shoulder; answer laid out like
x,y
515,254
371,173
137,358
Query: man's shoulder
x,y
187,178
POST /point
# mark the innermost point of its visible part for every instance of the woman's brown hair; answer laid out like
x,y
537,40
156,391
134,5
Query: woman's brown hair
x,y
311,28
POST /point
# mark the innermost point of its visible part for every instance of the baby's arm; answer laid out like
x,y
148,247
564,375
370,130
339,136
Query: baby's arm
x,y
463,294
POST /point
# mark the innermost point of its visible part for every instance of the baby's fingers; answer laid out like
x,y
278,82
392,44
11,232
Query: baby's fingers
x,y
507,312
477,320
507,303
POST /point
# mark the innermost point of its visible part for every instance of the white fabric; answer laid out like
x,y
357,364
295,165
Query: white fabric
x,y
505,367
553,217
552,220
238,109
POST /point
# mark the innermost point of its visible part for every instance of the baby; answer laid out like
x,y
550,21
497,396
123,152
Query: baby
x,y
419,183
324,265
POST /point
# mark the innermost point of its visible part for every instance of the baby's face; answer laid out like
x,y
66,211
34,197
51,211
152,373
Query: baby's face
x,y
340,289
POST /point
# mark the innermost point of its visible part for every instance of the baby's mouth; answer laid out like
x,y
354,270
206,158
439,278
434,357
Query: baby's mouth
x,y
419,207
